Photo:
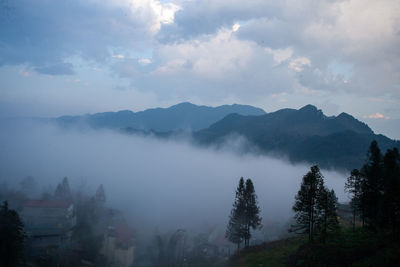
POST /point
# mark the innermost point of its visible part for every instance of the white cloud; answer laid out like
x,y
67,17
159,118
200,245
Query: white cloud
x,y
280,55
144,61
377,115
298,63
235,27
216,66
160,13
119,56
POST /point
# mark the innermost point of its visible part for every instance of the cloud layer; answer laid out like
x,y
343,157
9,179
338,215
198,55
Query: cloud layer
x,y
329,53
164,184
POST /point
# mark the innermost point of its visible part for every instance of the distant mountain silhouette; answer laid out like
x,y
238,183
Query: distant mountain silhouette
x,y
304,135
182,116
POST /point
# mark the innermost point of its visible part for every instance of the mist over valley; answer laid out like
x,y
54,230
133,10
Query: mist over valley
x,y
162,183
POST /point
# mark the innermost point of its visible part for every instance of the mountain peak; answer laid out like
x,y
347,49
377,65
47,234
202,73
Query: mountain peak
x,y
309,108
183,104
345,115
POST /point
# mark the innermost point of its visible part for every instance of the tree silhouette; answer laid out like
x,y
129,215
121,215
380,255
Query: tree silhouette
x,y
252,211
305,207
100,195
355,187
11,237
391,190
236,228
327,212
63,191
373,188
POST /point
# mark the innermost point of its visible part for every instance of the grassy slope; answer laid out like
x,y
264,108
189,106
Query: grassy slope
x,y
346,248
268,254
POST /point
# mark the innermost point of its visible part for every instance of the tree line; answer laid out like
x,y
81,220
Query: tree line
x,y
315,207
375,199
375,190
315,210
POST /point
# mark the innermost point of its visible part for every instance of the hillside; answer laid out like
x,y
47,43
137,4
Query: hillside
x,y
347,248
304,135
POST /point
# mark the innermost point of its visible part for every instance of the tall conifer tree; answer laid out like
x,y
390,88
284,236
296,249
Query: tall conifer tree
x,y
305,207
372,170
236,228
63,191
252,211
355,186
391,190
100,195
327,212
12,237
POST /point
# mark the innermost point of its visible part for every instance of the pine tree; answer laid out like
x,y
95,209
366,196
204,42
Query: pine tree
x,y
11,237
373,188
391,190
236,228
355,187
100,195
305,207
252,211
63,191
327,212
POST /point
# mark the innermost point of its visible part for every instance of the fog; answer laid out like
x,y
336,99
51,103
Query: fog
x,y
168,184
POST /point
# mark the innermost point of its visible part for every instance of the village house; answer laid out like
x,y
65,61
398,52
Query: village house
x,y
118,245
48,223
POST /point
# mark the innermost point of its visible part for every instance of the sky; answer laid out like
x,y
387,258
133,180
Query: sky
x,y
87,56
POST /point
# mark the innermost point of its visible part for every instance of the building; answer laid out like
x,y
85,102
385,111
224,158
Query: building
x,y
118,245
48,223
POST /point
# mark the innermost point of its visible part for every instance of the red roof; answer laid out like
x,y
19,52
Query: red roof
x,y
47,204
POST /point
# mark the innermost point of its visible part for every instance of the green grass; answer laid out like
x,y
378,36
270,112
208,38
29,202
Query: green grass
x,y
268,254
348,248
344,248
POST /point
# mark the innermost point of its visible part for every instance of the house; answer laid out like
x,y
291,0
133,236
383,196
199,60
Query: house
x,y
118,245
48,223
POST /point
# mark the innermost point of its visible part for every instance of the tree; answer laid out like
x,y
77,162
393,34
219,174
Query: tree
x,y
373,188
355,187
236,228
63,191
327,212
305,207
100,195
391,190
252,211
11,237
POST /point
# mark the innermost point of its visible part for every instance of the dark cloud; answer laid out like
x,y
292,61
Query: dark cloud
x,y
44,33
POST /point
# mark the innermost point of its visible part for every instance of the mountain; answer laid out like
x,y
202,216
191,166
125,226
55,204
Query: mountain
x,y
182,116
304,135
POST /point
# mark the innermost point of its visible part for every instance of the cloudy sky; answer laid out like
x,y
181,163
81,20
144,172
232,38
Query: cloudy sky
x,y
86,56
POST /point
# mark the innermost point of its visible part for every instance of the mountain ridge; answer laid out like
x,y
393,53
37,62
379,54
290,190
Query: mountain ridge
x,y
177,117
301,135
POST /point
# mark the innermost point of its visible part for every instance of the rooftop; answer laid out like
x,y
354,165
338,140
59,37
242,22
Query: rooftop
x,y
47,204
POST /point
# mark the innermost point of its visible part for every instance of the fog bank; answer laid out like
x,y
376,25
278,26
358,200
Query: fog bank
x,y
157,183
